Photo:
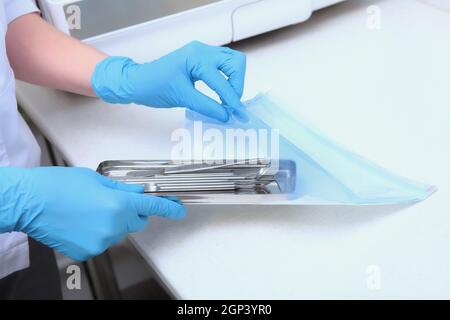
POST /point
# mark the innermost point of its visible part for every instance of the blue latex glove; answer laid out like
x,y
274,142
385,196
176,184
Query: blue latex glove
x,y
169,81
75,210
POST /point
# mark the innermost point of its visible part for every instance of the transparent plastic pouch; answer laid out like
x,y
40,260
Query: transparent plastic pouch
x,y
327,173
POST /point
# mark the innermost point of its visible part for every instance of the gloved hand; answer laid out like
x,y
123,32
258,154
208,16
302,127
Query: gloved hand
x,y
169,81
75,210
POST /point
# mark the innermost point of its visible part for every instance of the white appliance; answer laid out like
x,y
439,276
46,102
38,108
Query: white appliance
x,y
168,24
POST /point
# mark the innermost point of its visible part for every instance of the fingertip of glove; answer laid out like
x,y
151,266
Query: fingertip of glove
x,y
178,211
225,117
138,188
222,115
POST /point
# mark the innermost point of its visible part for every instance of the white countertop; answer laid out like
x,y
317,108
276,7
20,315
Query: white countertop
x,y
382,93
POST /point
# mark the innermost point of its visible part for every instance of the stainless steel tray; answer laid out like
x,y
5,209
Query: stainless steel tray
x,y
257,181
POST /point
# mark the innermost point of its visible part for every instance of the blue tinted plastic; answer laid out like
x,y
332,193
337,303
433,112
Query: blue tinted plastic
x,y
326,171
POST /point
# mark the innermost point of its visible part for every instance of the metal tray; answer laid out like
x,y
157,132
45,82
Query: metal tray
x,y
256,181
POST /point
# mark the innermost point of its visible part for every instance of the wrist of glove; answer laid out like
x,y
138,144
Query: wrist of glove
x,y
109,80
170,81
12,198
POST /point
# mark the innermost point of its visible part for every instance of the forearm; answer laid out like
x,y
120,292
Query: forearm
x,y
42,55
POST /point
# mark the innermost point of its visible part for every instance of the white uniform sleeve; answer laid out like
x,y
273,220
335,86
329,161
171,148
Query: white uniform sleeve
x,y
17,8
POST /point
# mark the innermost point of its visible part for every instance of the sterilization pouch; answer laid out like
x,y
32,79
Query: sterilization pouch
x,y
327,173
